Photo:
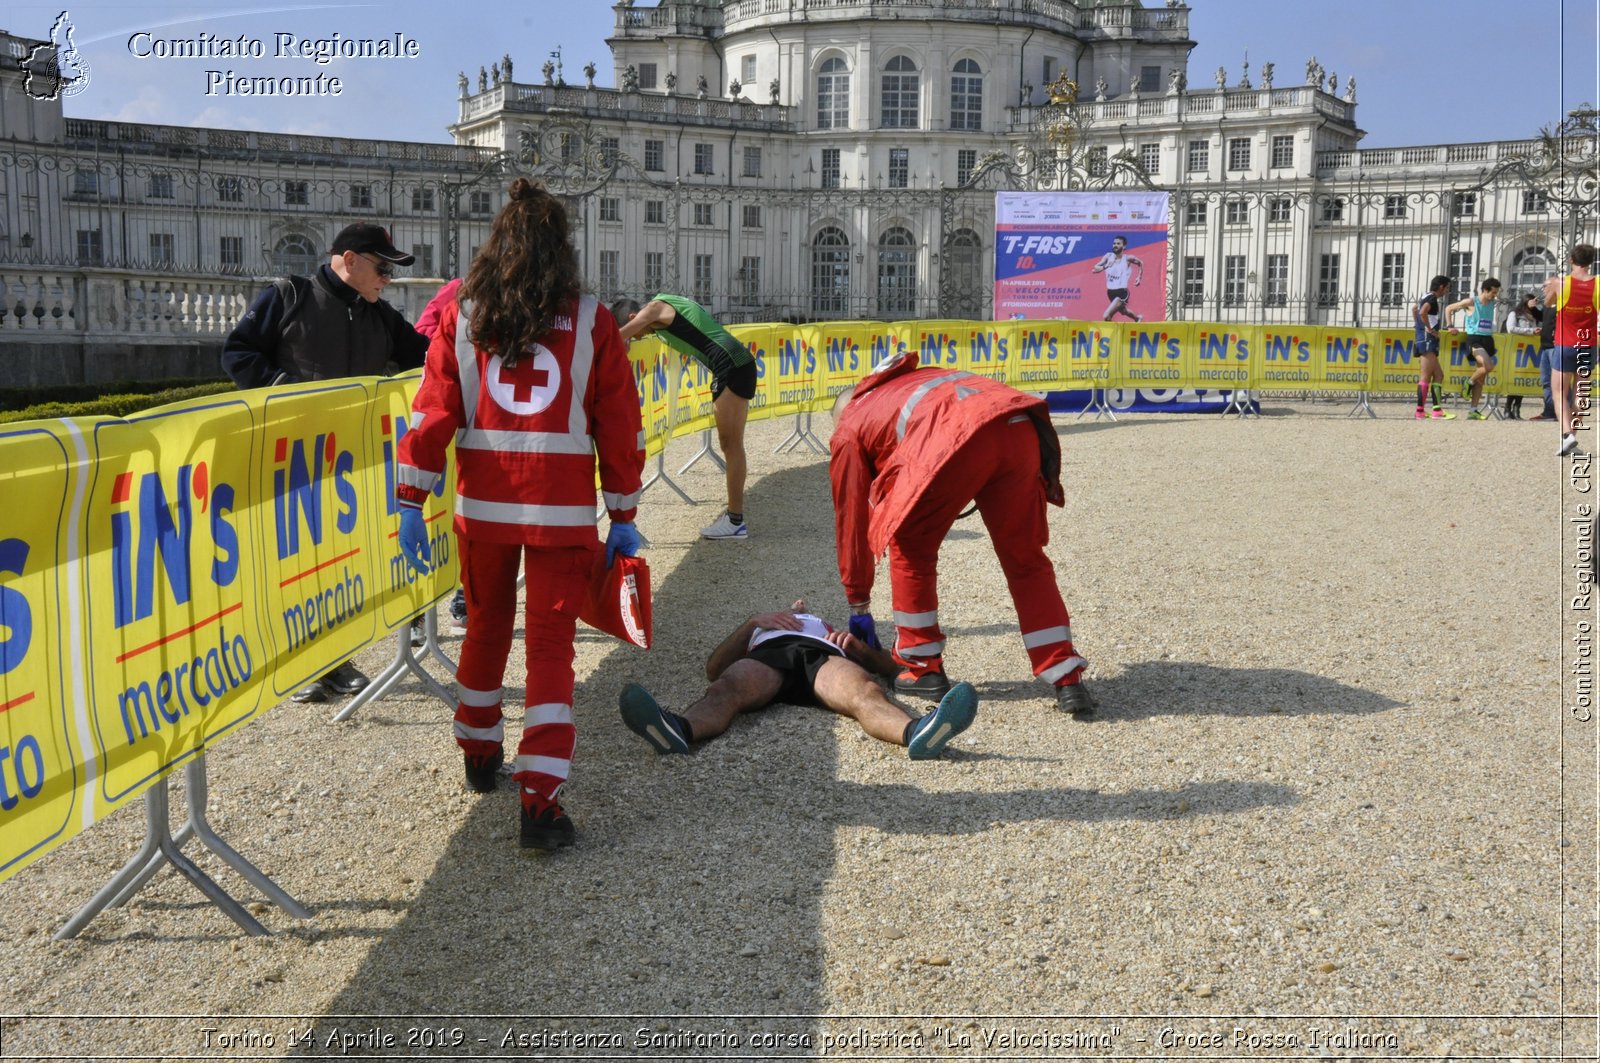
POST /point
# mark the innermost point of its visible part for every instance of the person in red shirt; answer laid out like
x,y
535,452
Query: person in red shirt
x,y
528,377
1576,300
911,448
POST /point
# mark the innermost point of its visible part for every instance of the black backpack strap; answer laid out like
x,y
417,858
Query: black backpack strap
x,y
292,293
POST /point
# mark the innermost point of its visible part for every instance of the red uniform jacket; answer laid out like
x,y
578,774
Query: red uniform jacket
x,y
527,437
893,439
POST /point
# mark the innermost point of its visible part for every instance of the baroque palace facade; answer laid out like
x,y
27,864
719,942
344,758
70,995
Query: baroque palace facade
x,y
782,160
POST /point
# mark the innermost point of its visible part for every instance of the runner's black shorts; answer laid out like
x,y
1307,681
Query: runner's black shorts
x,y
797,659
739,379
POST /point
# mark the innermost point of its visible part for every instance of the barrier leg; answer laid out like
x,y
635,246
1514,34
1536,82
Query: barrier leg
x,y
430,626
661,474
1099,405
809,438
386,680
705,451
1363,405
802,434
195,794
159,842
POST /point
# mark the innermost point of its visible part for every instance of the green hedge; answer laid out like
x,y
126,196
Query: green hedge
x,y
115,405
22,398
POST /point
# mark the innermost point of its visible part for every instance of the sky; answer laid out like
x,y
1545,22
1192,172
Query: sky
x,y
1426,73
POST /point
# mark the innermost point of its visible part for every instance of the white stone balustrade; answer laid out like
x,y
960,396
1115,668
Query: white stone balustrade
x,y
112,304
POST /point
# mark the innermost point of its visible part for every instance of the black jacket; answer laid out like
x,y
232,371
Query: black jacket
x,y
323,331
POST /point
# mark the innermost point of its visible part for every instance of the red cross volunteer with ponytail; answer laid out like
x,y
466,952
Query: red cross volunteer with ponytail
x,y
530,379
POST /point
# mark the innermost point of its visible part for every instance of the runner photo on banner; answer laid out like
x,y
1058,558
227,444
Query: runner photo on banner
x,y
1084,256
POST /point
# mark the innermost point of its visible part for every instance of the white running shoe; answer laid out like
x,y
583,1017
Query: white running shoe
x,y
723,528
1569,443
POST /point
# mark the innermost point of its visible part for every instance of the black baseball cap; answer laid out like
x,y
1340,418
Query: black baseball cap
x,y
366,238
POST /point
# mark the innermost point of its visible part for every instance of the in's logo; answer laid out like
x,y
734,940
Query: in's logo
x,y
56,69
298,493
528,387
152,528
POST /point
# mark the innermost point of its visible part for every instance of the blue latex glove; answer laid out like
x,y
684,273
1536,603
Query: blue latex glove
x,y
414,540
623,538
863,628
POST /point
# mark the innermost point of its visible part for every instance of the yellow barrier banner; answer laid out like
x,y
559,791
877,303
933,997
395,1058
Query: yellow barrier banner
x,y
846,350
1398,369
175,651
793,377
320,477
691,400
888,340
1288,357
758,340
1519,365
1036,354
985,348
1149,354
1346,357
405,594
1224,357
655,392
1088,347
941,344
42,713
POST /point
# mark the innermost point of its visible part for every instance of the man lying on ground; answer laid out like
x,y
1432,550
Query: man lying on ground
x,y
798,658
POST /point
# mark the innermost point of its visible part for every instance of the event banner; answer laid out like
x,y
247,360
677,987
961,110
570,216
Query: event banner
x,y
166,577
43,722
655,375
1087,256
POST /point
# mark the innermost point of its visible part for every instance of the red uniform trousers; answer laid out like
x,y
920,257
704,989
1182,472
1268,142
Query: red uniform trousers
x,y
557,579
999,468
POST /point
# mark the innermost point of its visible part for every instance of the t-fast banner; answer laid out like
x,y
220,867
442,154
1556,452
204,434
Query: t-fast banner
x,y
1088,256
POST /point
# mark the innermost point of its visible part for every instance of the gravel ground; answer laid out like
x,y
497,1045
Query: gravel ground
x,y
1321,811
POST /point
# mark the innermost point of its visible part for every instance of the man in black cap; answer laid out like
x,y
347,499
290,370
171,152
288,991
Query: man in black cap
x,y
331,324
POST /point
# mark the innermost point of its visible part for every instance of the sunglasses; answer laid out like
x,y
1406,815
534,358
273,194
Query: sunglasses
x,y
385,269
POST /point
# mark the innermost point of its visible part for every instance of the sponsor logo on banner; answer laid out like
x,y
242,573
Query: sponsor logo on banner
x,y
177,658
38,772
937,347
392,428
313,495
756,342
167,536
1151,353
324,578
1286,358
843,354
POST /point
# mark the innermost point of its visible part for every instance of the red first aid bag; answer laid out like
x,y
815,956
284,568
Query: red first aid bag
x,y
618,601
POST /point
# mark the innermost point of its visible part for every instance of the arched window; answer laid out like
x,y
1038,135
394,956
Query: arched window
x,y
963,258
295,254
830,272
966,96
1529,268
901,85
833,95
897,273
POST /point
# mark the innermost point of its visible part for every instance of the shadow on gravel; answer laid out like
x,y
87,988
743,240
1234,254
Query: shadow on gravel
x,y
1184,688
696,883
911,810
